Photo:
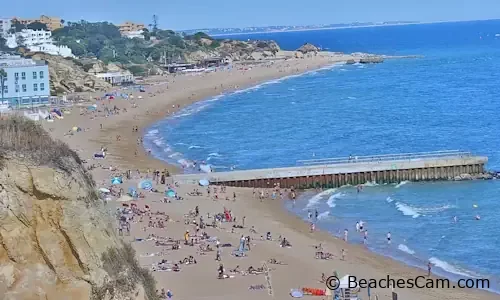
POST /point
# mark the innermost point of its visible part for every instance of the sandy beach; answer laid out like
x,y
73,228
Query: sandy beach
x,y
164,96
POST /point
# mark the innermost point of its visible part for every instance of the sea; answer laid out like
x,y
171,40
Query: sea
x,y
447,99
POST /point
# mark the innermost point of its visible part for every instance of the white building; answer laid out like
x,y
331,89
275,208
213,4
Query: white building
x,y
38,41
52,49
117,78
5,25
30,37
134,34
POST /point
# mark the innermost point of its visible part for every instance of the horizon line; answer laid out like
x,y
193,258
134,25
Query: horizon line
x,y
341,27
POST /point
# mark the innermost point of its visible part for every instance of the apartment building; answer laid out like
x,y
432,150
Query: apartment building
x,y
5,24
130,27
52,23
26,83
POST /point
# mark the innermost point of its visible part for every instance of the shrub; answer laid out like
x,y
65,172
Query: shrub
x,y
125,272
20,135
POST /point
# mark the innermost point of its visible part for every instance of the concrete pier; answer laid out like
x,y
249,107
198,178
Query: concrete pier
x,y
336,172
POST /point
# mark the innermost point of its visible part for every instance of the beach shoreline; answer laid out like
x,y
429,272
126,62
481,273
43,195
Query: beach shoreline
x,y
124,145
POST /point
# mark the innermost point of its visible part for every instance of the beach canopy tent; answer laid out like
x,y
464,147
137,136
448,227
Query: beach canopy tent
x,y
204,182
116,180
92,107
145,184
170,193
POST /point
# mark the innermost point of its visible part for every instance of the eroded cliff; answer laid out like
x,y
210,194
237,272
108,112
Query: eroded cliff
x,y
56,239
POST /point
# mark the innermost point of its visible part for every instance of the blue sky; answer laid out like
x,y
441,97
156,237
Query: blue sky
x,y
190,14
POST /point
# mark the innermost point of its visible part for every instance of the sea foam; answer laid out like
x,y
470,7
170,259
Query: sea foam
x,y
450,268
401,184
406,249
316,198
407,210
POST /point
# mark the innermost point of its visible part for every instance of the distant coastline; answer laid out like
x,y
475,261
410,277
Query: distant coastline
x,y
214,33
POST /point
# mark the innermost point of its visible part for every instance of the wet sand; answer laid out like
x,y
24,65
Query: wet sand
x,y
199,281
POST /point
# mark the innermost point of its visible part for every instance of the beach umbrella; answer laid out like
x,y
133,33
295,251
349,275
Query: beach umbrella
x,y
145,184
170,193
116,180
204,182
92,107
104,190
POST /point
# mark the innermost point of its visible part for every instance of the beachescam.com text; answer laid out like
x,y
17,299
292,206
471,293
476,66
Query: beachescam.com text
x,y
419,282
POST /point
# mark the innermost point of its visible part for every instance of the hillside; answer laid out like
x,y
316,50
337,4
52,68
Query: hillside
x,y
56,240
102,40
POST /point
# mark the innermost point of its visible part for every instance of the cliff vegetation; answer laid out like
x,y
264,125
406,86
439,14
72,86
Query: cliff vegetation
x,y
56,238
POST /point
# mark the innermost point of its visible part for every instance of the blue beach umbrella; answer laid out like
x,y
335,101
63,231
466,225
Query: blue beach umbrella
x,y
170,193
116,180
145,184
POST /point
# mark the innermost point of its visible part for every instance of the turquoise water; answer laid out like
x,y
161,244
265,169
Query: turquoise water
x,y
449,99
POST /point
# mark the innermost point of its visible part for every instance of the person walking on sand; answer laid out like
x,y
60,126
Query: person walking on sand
x,y
343,253
217,254
429,269
365,237
312,227
389,238
346,232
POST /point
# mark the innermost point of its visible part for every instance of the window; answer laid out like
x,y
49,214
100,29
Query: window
x,y
23,75
35,87
17,88
6,90
24,88
41,74
42,87
34,75
16,75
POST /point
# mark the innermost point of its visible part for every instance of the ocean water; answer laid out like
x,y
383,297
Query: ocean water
x,y
448,99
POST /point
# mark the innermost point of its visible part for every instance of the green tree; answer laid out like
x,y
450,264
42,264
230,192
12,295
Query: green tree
x,y
37,26
16,26
3,78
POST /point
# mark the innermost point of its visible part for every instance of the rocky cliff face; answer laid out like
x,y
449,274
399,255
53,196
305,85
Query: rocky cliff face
x,y
68,77
56,241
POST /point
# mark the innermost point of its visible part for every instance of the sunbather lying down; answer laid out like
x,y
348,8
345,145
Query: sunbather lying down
x,y
188,260
323,255
206,248
252,270
275,262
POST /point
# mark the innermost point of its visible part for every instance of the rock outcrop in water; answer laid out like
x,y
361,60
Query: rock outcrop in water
x,y
56,240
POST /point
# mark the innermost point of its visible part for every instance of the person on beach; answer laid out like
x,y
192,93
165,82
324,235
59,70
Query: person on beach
x,y
389,238
309,215
357,226
361,225
316,214
429,269
343,253
346,232
365,237
312,227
